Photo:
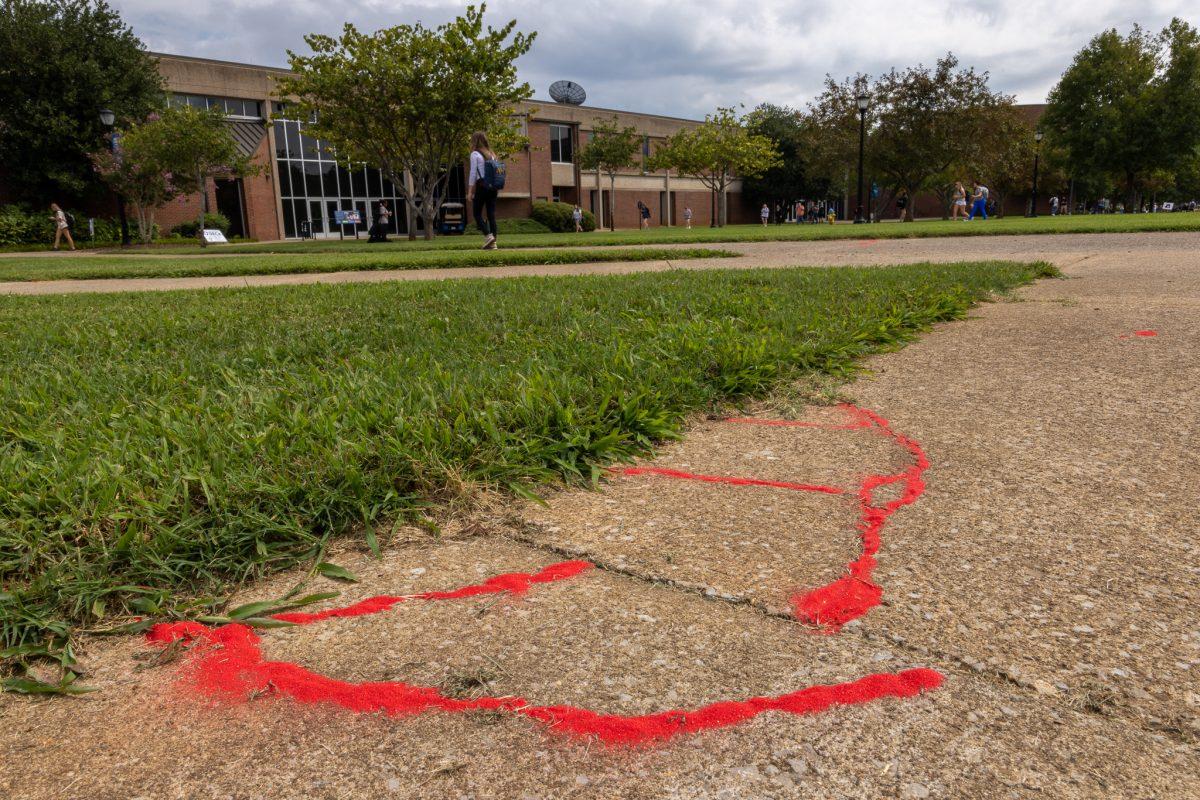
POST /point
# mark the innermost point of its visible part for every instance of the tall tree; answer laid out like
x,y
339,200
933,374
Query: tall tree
x,y
923,123
784,184
611,150
193,146
717,152
60,63
407,98
139,173
1127,106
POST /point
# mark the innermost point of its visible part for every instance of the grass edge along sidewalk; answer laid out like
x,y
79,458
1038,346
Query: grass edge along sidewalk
x,y
102,267
156,451
922,229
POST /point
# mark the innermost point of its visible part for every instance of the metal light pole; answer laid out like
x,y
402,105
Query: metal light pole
x,y
863,102
108,119
1037,137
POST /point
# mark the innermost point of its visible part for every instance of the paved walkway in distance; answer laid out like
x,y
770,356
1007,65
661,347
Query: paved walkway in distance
x,y
1048,571
1060,249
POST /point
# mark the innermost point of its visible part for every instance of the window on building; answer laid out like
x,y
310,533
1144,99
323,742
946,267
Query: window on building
x,y
560,144
229,106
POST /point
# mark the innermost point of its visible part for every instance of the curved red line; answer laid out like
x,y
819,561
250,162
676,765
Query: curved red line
x,y
228,665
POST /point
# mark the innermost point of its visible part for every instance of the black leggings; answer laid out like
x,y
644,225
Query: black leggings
x,y
485,199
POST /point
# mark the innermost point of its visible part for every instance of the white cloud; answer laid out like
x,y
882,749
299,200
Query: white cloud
x,y
687,58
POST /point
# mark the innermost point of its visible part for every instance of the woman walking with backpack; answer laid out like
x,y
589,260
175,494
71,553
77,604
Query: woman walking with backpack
x,y
61,226
482,191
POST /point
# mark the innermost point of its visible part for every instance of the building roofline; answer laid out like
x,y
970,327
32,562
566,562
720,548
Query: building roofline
x,y
203,60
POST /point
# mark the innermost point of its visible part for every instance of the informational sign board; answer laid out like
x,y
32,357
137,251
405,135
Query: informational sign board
x,y
347,217
214,236
1168,206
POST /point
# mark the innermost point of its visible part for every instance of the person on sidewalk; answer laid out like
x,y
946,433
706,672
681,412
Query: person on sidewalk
x,y
643,215
901,204
960,201
764,214
61,226
687,217
979,202
481,196
577,216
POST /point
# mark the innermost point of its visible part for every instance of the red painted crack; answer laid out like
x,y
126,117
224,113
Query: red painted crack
x,y
854,594
226,662
227,665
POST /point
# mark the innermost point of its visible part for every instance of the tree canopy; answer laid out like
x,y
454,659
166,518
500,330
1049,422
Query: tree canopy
x,y
717,152
1127,107
611,150
62,62
787,182
408,98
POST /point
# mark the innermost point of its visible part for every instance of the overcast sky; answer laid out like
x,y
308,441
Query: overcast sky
x,y
687,58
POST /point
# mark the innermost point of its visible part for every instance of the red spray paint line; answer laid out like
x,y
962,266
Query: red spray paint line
x,y
854,594
1145,333
227,665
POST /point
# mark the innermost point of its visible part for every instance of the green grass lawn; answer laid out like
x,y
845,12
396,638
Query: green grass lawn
x,y
159,448
1083,223
84,267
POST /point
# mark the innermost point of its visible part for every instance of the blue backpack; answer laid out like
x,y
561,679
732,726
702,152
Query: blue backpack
x,y
494,172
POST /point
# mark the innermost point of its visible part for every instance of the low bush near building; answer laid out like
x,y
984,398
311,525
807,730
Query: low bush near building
x,y
188,230
20,226
557,217
161,446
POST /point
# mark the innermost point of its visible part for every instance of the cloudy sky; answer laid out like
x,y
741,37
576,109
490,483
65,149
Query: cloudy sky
x,y
687,58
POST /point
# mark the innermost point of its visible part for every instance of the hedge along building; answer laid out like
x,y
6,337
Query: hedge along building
x,y
302,184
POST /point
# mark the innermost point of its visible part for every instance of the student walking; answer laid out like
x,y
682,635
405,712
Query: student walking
x,y
960,202
1054,206
61,226
979,202
482,190
644,215
687,217
901,204
764,214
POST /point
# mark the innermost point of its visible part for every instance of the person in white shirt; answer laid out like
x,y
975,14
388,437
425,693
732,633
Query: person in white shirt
x,y
765,214
61,226
687,216
482,197
577,216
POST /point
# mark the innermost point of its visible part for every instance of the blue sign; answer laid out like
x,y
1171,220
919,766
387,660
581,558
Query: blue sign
x,y
347,217
874,190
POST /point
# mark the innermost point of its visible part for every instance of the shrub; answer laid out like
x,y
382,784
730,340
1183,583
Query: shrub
x,y
520,225
188,229
557,217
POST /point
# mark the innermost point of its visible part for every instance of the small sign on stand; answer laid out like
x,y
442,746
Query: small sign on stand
x,y
214,236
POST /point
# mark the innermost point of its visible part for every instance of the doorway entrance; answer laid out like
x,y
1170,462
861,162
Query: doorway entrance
x,y
231,204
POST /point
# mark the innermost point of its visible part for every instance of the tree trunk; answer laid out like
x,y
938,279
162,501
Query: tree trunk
x,y
428,215
612,201
413,213
203,208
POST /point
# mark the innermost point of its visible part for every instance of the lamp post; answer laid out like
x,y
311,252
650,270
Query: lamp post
x,y
863,102
1037,152
108,119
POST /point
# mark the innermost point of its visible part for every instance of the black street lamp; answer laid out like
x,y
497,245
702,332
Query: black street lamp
x,y
108,119
1037,137
863,102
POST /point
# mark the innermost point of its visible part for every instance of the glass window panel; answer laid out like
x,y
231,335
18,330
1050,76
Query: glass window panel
x,y
389,190
312,178
331,181
280,140
301,212
197,102
308,146
285,180
297,180
293,139
344,187
289,220
253,108
374,187
359,177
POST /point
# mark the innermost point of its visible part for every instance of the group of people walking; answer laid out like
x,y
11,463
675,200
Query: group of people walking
x,y
979,201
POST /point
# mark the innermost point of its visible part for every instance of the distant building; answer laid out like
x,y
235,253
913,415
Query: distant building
x,y
302,184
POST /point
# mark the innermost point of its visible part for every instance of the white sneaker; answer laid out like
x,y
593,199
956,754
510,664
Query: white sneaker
x,y
489,242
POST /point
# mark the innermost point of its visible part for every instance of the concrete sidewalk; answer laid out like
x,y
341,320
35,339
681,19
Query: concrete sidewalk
x,y
1047,570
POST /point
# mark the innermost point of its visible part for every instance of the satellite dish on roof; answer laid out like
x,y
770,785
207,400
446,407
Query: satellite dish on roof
x,y
567,92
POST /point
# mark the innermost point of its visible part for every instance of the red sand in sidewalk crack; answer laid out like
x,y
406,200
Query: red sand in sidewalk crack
x,y
226,662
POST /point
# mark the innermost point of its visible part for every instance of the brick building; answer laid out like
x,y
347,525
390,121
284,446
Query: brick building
x,y
301,185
